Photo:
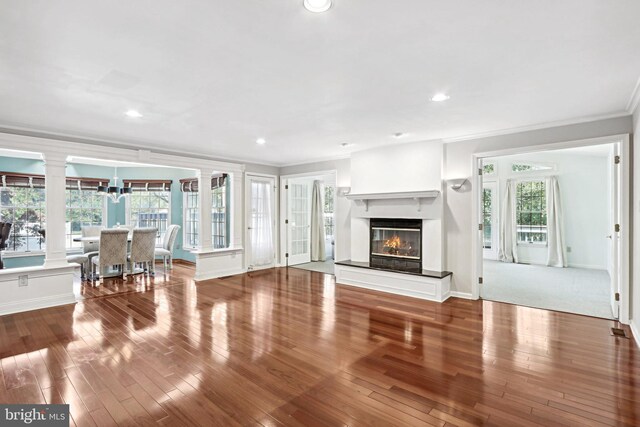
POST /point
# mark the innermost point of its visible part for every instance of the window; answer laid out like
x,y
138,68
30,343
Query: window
x,y
531,167
531,212
328,211
219,218
24,208
190,219
84,208
150,208
488,169
487,219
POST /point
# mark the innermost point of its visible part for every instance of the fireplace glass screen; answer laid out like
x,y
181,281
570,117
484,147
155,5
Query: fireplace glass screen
x,y
396,244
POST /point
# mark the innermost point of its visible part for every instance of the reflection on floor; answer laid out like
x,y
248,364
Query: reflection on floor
x,y
288,347
84,289
573,290
319,266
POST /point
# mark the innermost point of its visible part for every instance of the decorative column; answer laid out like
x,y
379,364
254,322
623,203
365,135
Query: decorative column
x,y
205,242
55,204
236,212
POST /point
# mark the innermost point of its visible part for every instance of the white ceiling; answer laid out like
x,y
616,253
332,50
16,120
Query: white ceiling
x,y
211,77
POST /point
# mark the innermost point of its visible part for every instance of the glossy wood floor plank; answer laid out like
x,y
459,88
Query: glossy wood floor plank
x,y
291,348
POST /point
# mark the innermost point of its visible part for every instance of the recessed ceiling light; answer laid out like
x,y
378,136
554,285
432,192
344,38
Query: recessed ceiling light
x,y
261,141
317,6
133,114
439,97
399,134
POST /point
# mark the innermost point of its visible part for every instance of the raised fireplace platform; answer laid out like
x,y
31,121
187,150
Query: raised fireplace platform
x,y
424,284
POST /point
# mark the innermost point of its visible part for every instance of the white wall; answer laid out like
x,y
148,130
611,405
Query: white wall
x,y
458,164
585,190
402,167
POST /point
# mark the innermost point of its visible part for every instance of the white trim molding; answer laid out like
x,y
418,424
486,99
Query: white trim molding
x,y
410,285
32,288
634,99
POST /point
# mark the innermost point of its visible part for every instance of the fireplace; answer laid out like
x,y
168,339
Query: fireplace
x,y
396,244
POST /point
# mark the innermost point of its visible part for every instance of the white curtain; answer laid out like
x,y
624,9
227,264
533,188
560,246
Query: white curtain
x,y
317,223
262,252
508,233
557,256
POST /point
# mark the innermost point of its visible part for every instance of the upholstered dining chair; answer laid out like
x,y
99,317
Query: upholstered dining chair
x,y
143,246
90,249
112,252
81,259
166,251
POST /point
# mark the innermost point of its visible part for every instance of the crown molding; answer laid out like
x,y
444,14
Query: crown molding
x,y
7,129
634,100
539,126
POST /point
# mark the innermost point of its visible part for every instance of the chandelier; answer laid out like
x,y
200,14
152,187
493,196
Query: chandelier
x,y
114,192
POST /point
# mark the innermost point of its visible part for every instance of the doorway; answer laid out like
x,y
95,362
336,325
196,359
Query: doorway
x,y
308,231
260,194
550,229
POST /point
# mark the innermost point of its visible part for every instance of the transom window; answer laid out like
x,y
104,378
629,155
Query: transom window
x,y
522,167
531,212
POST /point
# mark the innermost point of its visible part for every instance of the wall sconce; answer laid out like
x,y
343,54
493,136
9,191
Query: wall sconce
x,y
457,184
343,191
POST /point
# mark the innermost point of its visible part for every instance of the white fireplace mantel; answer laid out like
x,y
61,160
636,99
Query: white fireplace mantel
x,y
417,196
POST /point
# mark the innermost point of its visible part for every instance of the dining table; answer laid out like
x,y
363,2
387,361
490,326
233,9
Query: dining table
x,y
96,239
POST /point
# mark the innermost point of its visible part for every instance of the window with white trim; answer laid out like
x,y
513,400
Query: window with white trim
x,y
219,217
84,208
190,219
24,208
531,212
149,205
219,223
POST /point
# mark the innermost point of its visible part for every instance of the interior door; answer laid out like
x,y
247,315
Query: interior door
x,y
614,236
299,221
260,194
489,206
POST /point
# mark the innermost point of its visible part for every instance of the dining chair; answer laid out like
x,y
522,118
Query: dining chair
x,y
166,251
143,246
81,259
112,252
90,249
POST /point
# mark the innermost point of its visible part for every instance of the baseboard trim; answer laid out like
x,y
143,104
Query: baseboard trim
x,y
462,295
218,274
36,303
182,261
635,332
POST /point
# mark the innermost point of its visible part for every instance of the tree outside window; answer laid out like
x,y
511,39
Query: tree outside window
x,y
24,208
531,212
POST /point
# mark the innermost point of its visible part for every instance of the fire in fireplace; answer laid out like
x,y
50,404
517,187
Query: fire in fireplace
x,y
396,244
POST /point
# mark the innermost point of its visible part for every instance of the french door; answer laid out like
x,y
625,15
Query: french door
x,y
298,193
260,220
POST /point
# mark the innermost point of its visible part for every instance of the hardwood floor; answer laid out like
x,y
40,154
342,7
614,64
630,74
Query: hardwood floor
x,y
289,347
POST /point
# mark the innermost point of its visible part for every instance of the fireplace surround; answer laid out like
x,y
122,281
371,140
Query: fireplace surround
x,y
396,244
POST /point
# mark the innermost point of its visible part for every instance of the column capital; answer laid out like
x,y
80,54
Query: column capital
x,y
54,158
